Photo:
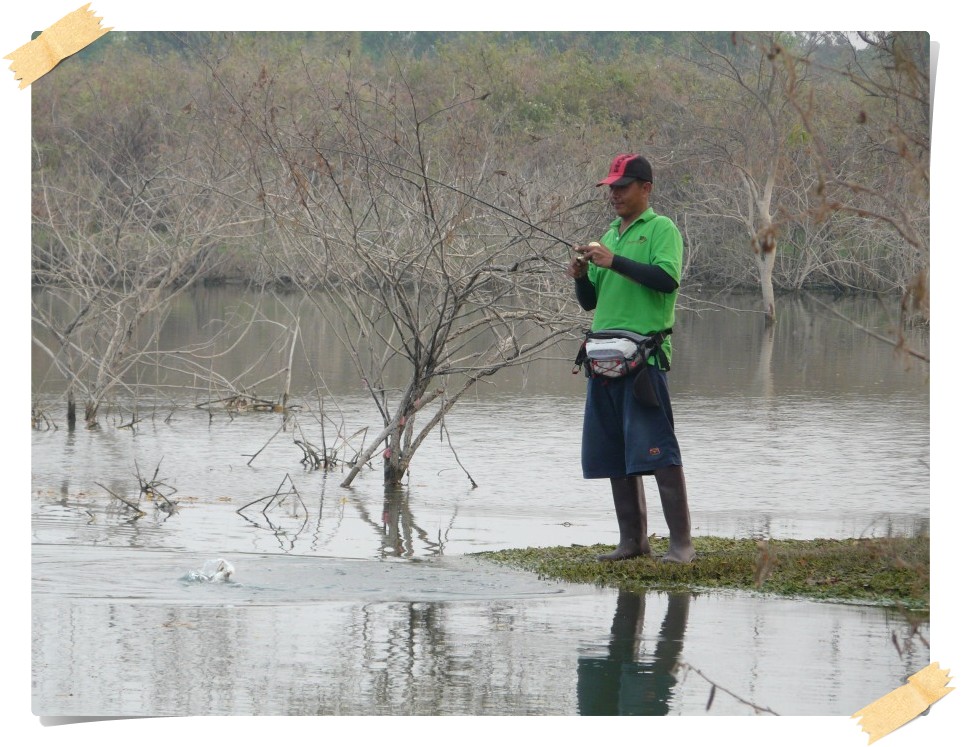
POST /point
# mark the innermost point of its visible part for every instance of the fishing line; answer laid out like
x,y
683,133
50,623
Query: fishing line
x,y
451,187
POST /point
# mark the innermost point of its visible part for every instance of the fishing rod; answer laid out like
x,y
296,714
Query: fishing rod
x,y
389,164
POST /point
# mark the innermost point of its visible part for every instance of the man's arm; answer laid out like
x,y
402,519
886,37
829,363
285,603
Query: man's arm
x,y
585,292
583,287
651,276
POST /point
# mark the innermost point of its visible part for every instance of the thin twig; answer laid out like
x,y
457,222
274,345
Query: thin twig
x,y
443,429
122,500
714,687
899,345
255,455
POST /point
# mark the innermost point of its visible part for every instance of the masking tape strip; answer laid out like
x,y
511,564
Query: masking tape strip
x,y
67,36
895,709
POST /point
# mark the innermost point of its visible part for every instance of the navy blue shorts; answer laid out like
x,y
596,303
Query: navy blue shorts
x,y
621,436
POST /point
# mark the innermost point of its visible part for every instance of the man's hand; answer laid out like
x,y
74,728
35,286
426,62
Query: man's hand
x,y
594,252
578,266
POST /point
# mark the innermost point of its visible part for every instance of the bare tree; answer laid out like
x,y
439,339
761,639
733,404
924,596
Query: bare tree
x,y
127,215
743,148
891,194
397,220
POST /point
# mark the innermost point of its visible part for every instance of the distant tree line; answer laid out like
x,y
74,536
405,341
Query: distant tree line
x,y
749,134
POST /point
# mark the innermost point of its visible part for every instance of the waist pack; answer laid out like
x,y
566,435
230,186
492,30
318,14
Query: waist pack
x,y
617,352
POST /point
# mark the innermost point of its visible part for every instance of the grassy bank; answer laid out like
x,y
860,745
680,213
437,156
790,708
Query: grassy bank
x,y
887,571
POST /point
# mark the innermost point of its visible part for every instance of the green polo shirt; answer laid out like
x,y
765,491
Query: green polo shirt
x,y
651,239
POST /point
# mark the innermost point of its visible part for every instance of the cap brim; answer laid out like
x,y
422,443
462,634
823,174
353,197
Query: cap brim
x,y
622,182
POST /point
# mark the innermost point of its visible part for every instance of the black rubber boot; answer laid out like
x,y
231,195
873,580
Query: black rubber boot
x,y
631,510
673,490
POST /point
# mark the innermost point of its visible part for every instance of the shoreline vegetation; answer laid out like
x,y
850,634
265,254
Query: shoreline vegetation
x,y
888,571
792,161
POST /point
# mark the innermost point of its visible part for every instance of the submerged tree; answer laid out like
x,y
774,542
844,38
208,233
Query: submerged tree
x,y
128,212
743,147
890,126
390,206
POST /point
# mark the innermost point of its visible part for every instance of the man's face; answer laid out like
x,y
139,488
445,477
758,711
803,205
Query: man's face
x,y
630,200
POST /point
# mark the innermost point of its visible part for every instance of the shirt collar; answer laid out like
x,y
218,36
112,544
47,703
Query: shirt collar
x,y
642,218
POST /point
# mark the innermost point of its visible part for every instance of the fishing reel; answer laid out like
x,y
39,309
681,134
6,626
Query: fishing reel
x,y
580,258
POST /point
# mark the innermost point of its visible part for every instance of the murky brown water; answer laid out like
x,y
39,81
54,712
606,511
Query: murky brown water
x,y
349,602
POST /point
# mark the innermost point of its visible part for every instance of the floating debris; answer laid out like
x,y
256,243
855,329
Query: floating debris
x,y
213,571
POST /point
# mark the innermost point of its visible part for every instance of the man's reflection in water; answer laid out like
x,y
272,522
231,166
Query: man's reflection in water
x,y
619,684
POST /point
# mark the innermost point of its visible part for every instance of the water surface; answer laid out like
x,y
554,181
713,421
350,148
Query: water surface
x,y
353,601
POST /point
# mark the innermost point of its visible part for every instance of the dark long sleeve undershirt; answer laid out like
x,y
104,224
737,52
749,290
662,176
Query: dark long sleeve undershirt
x,y
652,276
586,295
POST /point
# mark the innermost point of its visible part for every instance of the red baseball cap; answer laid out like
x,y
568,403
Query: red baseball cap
x,y
627,168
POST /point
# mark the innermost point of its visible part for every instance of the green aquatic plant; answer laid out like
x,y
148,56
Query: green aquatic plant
x,y
890,571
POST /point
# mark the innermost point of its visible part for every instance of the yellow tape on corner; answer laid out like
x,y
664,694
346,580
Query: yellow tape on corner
x,y
909,701
67,36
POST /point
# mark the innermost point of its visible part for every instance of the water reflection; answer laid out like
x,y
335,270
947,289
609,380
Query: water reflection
x,y
115,633
628,682
722,346
400,534
285,516
763,376
282,513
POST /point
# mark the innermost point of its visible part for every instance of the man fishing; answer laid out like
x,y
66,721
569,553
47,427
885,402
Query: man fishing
x,y
630,280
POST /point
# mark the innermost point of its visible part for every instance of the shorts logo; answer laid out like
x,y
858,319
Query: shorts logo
x,y
654,451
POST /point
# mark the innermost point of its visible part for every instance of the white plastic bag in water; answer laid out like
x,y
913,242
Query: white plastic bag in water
x,y
213,571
